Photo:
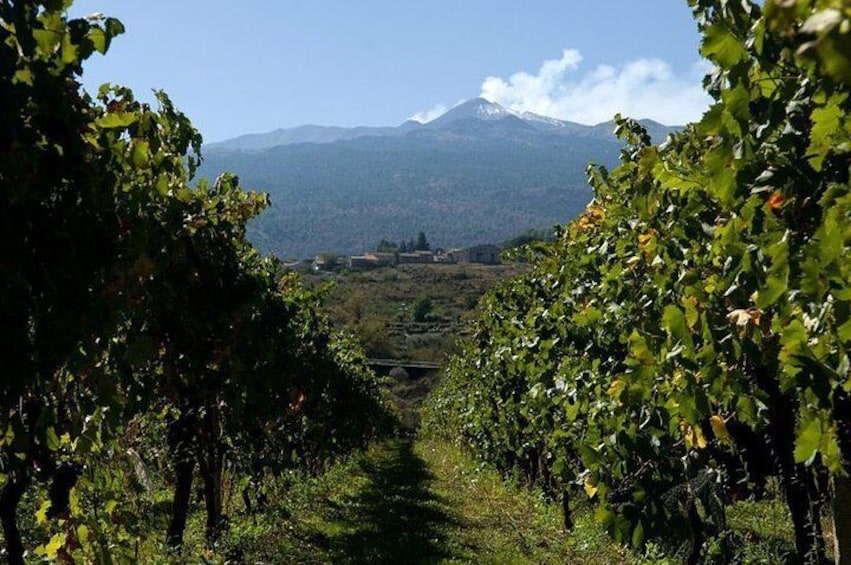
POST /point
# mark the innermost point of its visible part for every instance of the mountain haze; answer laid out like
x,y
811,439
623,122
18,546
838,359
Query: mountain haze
x,y
479,173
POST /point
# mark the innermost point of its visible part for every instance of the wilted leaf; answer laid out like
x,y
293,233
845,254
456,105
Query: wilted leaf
x,y
742,317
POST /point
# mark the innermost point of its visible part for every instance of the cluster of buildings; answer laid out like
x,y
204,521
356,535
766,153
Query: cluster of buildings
x,y
483,254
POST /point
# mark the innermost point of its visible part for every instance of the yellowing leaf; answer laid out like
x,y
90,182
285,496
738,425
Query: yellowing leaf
x,y
593,215
615,387
699,438
647,242
719,427
693,436
688,434
590,487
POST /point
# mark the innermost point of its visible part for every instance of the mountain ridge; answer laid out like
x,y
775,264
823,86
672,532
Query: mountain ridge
x,y
476,108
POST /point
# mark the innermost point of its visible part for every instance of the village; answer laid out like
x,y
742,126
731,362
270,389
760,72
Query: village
x,y
487,254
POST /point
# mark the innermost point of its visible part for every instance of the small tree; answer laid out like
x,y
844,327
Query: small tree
x,y
422,309
385,246
422,242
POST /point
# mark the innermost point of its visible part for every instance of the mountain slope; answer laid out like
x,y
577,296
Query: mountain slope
x,y
478,174
306,134
347,196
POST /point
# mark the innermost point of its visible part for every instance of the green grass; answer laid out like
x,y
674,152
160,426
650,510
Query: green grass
x,y
765,530
423,502
502,523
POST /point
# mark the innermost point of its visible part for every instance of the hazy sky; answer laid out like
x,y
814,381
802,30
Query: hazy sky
x,y
252,66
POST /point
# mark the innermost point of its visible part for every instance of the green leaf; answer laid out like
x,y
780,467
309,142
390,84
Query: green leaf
x,y
141,153
674,321
832,43
114,120
24,76
844,331
41,513
638,535
830,239
52,548
822,21
809,438
826,129
691,312
736,109
639,350
162,185
99,39
721,46
776,282
722,178
83,534
794,339
113,27
74,503
774,288
51,439
70,51
48,40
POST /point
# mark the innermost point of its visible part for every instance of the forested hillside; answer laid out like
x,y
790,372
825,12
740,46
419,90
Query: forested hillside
x,y
462,187
477,174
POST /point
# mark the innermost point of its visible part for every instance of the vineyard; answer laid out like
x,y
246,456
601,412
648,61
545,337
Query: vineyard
x,y
681,347
685,342
143,335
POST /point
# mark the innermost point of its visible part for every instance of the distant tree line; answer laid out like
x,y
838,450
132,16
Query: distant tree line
x,y
420,244
529,236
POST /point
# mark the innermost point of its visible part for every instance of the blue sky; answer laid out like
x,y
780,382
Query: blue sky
x,y
252,66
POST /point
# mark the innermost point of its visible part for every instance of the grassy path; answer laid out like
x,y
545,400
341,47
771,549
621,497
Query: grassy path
x,y
406,502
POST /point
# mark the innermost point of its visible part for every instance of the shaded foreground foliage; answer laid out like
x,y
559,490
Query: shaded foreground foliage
x,y
687,337
132,302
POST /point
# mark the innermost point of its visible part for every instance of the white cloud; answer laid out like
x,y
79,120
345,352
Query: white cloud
x,y
642,88
436,112
429,115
